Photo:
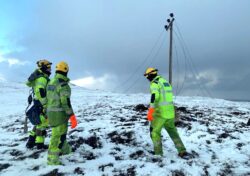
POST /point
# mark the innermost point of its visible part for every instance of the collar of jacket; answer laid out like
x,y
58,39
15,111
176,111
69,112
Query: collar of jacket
x,y
58,75
157,77
44,74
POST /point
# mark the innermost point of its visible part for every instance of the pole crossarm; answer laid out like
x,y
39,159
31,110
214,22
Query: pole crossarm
x,y
170,24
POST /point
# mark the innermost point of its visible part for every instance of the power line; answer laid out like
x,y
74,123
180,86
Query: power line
x,y
178,69
157,52
141,64
187,65
153,59
185,61
192,65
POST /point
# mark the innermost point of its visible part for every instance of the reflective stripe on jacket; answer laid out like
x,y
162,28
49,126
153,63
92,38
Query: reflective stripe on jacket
x,y
163,103
58,95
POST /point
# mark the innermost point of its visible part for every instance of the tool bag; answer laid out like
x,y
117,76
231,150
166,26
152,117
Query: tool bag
x,y
34,110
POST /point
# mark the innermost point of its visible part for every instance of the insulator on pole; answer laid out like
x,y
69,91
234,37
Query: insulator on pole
x,y
166,27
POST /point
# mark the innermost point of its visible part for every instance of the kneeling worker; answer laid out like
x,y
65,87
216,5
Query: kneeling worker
x,y
161,112
59,111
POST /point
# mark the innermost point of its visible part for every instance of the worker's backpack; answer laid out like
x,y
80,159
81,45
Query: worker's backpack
x,y
34,109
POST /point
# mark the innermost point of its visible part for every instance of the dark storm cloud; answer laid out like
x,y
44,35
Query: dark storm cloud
x,y
115,38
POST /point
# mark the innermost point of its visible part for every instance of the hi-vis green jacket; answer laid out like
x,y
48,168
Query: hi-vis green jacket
x,y
58,95
162,98
38,81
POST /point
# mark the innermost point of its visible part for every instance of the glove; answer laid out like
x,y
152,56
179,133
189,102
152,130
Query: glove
x,y
150,114
73,121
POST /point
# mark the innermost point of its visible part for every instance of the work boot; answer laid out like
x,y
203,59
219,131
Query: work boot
x,y
41,146
185,155
31,142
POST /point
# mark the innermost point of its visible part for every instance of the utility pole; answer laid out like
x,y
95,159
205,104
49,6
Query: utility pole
x,y
170,28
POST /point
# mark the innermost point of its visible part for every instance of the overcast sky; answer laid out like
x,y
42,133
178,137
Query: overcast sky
x,y
109,43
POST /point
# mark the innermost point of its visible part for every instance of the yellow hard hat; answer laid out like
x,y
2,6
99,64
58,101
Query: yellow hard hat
x,y
150,71
43,63
62,66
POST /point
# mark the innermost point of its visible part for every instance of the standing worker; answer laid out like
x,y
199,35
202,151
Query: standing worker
x,y
38,80
162,113
59,111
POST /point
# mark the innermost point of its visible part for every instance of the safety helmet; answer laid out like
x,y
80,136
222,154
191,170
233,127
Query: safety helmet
x,y
62,66
150,71
43,64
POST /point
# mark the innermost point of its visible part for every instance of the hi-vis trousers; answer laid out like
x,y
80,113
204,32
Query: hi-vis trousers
x,y
155,133
58,144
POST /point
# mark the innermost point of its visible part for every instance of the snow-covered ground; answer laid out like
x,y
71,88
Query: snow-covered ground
x,y
112,137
